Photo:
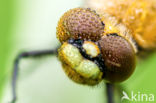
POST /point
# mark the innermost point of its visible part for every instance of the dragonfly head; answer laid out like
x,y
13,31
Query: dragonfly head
x,y
90,51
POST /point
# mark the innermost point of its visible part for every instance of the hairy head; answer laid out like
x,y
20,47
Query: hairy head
x,y
94,49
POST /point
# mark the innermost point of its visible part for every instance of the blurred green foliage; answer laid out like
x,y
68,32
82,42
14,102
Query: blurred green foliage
x,y
6,17
143,79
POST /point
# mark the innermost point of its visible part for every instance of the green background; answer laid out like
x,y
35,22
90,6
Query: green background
x,y
7,16
27,25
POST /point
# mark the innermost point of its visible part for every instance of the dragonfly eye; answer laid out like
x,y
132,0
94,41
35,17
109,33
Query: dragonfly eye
x,y
80,23
119,57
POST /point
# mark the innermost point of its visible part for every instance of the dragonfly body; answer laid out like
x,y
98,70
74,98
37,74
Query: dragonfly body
x,y
139,16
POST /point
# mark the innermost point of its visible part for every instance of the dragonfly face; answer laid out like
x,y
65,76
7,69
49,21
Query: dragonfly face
x,y
93,49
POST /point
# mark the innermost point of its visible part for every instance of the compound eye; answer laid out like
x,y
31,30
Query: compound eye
x,y
119,57
80,23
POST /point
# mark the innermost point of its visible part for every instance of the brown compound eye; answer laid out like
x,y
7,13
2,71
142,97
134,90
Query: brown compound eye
x,y
80,23
119,57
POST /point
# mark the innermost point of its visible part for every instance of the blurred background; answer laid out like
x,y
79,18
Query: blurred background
x,y
27,25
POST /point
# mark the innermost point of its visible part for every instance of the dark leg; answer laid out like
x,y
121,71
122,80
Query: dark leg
x,y
16,66
109,90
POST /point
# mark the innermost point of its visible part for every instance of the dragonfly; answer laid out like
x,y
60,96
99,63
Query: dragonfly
x,y
101,42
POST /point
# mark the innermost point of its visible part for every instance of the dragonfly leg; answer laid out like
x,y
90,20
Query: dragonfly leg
x,y
110,94
31,54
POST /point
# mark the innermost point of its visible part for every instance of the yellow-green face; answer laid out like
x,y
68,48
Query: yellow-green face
x,y
81,68
89,53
